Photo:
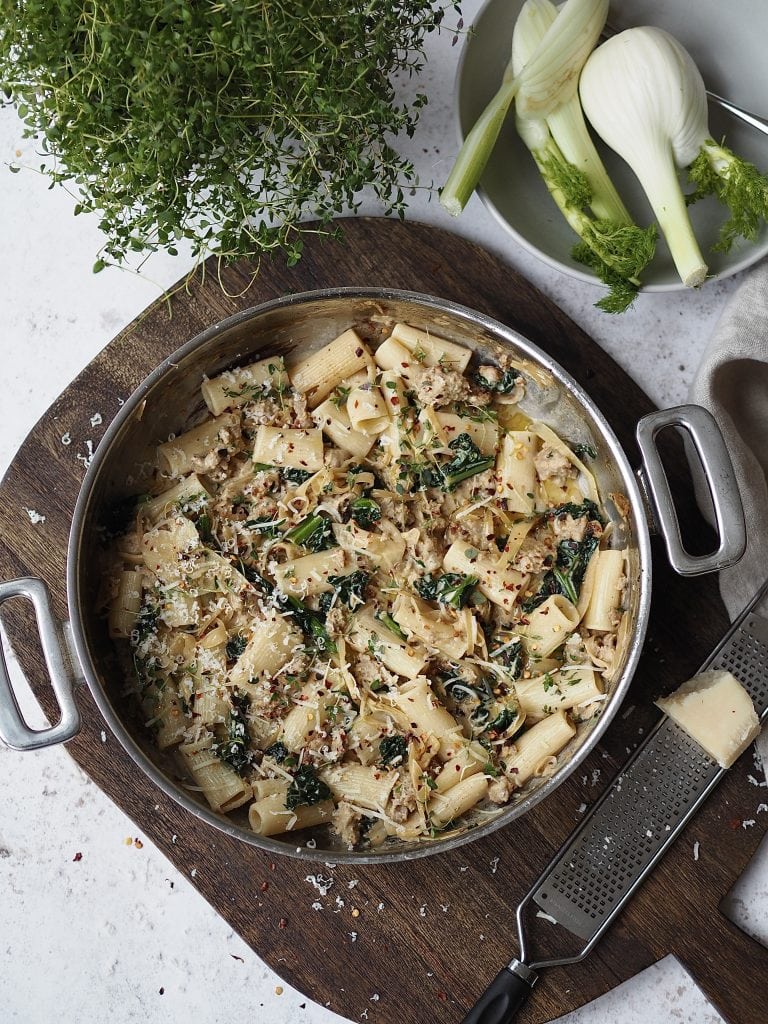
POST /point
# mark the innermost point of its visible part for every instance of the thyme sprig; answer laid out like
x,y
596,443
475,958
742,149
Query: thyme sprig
x,y
220,125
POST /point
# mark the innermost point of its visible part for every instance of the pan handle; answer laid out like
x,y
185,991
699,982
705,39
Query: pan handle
x,y
718,472
14,731
505,996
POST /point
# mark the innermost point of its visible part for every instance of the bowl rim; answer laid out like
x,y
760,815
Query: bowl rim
x,y
751,256
81,515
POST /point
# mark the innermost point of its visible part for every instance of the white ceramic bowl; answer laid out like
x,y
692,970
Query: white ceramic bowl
x,y
727,41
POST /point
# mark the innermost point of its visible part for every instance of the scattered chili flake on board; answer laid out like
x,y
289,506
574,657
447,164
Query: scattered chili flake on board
x,y
264,886
78,856
442,996
283,923
734,823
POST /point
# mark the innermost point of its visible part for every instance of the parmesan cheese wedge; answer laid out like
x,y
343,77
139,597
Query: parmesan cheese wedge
x,y
716,712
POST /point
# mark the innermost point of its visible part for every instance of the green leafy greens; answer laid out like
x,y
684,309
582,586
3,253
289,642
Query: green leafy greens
x,y
234,750
350,590
314,533
451,588
306,789
216,124
567,575
393,750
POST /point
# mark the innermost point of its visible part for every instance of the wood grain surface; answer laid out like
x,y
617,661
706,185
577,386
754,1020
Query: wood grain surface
x,y
413,943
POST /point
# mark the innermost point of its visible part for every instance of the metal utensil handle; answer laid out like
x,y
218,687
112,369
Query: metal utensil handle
x,y
718,471
504,997
754,120
14,731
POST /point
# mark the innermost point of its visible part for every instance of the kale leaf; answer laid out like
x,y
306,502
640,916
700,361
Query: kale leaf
x,y
314,532
569,508
386,619
467,461
503,386
235,646
451,588
349,590
267,526
278,752
234,750
306,789
567,575
365,512
509,654
393,750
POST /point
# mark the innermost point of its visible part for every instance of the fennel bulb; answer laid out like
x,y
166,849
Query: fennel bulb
x,y
645,97
548,79
611,245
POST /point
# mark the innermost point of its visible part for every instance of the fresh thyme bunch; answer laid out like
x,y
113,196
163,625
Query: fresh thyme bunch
x,y
222,123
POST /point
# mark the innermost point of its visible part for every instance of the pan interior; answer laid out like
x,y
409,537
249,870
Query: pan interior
x,y
169,402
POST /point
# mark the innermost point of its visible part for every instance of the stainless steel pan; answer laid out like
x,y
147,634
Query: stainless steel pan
x,y
168,401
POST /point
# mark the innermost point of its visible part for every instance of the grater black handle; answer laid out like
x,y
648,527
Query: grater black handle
x,y
506,994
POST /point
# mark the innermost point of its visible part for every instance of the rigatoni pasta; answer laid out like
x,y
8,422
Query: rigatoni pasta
x,y
368,593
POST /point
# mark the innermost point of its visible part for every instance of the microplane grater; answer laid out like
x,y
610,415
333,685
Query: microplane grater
x,y
629,829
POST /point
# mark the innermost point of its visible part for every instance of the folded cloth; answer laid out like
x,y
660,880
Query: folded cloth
x,y
732,382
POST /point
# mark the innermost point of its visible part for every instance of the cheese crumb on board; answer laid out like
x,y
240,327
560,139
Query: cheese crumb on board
x,y
716,712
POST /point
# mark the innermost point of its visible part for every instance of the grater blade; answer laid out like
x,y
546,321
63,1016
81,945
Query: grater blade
x,y
647,805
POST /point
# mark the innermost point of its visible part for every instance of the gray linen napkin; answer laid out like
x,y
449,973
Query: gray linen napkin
x,y
732,382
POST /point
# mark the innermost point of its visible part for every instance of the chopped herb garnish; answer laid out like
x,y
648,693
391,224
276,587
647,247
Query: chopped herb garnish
x,y
393,750
340,395
451,588
306,789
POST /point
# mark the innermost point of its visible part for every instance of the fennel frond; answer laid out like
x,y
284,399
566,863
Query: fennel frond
x,y
738,184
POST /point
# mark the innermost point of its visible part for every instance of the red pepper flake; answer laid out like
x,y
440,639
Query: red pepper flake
x,y
283,923
235,957
358,352
394,400
442,996
264,886
735,824
78,856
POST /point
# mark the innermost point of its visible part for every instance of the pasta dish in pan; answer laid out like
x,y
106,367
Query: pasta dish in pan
x,y
370,592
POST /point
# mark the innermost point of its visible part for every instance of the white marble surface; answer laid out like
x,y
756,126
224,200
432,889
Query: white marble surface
x,y
120,933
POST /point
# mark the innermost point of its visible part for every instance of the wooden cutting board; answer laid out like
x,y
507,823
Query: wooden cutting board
x,y
416,942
